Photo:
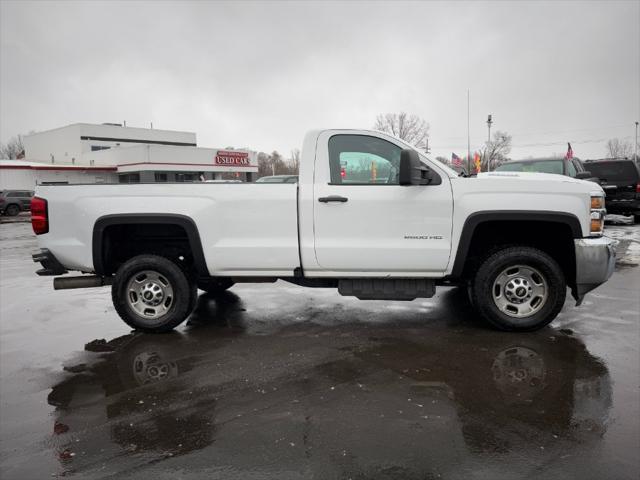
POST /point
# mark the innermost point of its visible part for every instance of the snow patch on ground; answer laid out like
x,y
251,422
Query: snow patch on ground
x,y
618,219
627,240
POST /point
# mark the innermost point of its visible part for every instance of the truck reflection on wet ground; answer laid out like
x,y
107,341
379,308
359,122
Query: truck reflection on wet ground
x,y
350,400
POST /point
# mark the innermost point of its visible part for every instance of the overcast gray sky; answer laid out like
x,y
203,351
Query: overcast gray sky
x,y
261,74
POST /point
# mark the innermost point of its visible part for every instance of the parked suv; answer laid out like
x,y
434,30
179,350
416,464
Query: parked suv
x,y
571,167
620,180
12,202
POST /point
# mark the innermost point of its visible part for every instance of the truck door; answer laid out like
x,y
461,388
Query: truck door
x,y
365,223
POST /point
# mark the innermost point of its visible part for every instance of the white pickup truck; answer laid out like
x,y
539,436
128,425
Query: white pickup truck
x,y
370,216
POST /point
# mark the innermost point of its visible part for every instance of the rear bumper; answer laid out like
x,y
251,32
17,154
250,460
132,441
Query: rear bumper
x,y
595,261
50,264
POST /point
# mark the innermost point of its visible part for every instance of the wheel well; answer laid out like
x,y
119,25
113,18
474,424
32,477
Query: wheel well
x,y
116,240
553,238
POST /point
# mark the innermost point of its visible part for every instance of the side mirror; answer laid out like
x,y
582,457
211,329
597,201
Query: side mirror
x,y
583,175
412,170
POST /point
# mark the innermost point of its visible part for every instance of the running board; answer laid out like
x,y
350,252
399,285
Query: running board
x,y
387,289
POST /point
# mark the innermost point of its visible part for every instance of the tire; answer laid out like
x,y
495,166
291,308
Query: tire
x,y
214,286
152,294
12,210
519,289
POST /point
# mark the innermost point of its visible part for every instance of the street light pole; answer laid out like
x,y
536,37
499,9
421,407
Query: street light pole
x,y
635,155
489,122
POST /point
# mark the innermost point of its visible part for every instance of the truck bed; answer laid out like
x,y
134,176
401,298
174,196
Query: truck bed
x,y
244,228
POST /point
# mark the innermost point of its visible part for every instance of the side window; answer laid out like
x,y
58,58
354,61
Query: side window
x,y
361,159
571,169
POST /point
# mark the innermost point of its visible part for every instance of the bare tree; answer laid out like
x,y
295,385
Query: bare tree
x,y
408,127
13,149
294,162
496,151
275,164
264,165
278,165
617,148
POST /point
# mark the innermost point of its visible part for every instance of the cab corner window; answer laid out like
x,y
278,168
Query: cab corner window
x,y
361,159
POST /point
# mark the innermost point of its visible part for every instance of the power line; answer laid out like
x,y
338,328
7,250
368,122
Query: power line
x,y
542,144
555,132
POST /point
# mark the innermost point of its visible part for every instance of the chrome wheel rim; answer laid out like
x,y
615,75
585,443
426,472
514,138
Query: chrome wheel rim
x,y
520,291
148,367
149,294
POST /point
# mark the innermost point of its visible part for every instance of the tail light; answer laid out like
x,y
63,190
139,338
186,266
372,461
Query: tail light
x,y
637,187
39,215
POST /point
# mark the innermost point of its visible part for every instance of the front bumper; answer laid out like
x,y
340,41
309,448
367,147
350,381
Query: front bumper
x,y
595,261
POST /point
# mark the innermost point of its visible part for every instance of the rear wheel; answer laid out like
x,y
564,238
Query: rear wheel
x,y
152,294
12,210
214,286
519,289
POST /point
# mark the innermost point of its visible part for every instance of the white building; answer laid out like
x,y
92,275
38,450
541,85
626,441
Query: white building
x,y
114,153
22,175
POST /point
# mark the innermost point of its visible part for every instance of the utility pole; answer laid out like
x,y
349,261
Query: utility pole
x,y
489,122
468,137
426,147
635,155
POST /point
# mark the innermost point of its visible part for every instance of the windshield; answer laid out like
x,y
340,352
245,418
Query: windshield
x,y
540,166
613,171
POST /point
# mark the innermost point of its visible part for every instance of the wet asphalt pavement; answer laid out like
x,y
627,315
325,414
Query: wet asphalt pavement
x,y
278,381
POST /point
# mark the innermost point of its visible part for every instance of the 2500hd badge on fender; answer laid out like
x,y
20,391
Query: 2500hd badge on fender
x,y
370,216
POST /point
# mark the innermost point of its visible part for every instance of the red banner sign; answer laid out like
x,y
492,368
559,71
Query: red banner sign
x,y
232,159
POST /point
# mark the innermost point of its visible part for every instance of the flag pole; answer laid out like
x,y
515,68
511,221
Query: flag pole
x,y
468,137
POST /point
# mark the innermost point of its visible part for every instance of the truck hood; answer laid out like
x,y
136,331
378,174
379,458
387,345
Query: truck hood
x,y
542,177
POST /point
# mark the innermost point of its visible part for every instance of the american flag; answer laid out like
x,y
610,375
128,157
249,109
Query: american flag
x,y
456,160
569,152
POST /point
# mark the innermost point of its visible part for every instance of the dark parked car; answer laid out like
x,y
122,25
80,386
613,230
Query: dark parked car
x,y
571,167
620,180
12,202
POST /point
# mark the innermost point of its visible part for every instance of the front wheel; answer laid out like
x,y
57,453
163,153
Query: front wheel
x,y
152,294
519,289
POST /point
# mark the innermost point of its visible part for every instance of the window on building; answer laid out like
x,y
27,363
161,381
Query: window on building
x,y
161,177
186,177
129,178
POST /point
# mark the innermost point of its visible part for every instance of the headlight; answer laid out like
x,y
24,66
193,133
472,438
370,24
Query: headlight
x,y
597,203
597,215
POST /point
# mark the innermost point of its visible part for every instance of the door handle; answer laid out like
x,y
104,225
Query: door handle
x,y
333,198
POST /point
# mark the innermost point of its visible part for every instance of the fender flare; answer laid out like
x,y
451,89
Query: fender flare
x,y
476,219
183,221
